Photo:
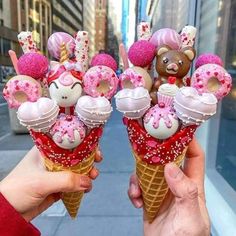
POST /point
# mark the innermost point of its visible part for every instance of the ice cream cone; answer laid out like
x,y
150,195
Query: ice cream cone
x,y
79,160
151,156
72,200
153,185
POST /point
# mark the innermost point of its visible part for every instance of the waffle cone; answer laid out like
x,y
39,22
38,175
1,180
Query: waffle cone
x,y
72,200
153,185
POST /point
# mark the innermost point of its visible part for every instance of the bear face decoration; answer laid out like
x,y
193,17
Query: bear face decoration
x,y
171,63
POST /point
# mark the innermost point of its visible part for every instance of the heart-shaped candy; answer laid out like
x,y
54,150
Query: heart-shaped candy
x,y
133,102
192,108
93,111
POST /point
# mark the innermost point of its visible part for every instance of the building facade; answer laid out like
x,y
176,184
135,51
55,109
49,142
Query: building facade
x,y
42,17
100,25
8,40
34,16
215,21
113,30
67,16
89,24
129,21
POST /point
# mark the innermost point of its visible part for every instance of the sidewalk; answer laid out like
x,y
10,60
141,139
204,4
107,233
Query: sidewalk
x,y
106,211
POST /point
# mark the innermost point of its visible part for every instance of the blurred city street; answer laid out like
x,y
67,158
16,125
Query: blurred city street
x,y
106,210
116,28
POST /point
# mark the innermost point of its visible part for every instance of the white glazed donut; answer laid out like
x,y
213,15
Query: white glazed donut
x,y
212,78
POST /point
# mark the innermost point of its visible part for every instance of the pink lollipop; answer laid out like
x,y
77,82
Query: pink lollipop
x,y
55,41
104,59
33,64
208,58
142,53
212,78
100,81
168,37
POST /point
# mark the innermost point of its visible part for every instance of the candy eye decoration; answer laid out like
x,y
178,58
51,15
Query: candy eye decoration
x,y
54,84
75,84
165,60
180,62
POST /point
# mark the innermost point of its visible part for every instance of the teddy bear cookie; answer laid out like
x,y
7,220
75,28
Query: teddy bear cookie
x,y
171,62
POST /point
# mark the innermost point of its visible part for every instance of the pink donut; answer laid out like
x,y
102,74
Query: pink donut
x,y
167,37
135,77
21,88
212,78
100,81
55,41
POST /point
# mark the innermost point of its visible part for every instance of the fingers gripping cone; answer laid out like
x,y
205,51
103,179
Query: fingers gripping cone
x,y
151,157
72,200
79,161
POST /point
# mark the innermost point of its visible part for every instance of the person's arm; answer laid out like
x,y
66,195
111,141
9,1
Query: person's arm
x,y
184,211
29,190
12,223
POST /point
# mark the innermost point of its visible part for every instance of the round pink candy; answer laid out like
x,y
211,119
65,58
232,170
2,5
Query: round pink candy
x,y
142,53
104,59
202,75
33,64
56,40
208,58
167,37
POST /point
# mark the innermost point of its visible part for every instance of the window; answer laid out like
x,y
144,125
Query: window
x,y
226,152
221,155
30,4
43,11
37,6
1,4
1,22
218,135
6,46
23,27
22,4
31,25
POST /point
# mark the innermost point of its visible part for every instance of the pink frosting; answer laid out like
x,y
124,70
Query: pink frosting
x,y
202,75
95,75
66,79
158,112
55,41
137,50
167,37
135,78
33,64
67,125
104,59
29,88
208,58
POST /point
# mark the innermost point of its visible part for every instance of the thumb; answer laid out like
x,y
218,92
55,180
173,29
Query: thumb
x,y
184,190
64,181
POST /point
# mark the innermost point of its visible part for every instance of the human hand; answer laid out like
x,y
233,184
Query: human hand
x,y
183,211
31,189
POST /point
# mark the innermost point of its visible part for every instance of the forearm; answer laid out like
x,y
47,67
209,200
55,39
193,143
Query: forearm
x,y
12,223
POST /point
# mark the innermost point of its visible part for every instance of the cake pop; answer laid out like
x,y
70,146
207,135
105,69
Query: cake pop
x,y
68,132
161,121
